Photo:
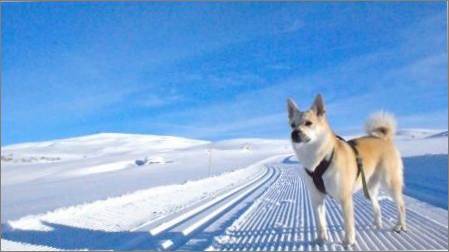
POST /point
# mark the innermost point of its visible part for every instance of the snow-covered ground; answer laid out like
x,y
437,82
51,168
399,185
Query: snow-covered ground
x,y
122,183
101,166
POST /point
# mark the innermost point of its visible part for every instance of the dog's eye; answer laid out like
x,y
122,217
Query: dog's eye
x,y
293,125
308,123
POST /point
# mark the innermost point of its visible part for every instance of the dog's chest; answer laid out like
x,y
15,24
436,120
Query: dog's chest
x,y
330,179
307,157
331,182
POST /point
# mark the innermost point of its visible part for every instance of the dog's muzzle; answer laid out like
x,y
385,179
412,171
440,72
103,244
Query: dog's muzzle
x,y
299,137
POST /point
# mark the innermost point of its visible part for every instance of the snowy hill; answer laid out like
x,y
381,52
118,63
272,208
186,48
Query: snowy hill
x,y
414,142
97,145
441,134
78,170
407,134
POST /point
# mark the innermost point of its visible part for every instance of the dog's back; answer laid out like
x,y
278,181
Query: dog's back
x,y
377,150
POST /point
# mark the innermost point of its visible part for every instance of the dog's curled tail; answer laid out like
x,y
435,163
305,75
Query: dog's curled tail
x,y
381,124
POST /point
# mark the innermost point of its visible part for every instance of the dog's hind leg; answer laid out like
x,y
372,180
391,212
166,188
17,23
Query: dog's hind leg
x,y
373,188
396,192
395,184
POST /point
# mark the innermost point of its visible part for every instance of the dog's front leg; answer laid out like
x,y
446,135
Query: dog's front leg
x,y
320,215
348,214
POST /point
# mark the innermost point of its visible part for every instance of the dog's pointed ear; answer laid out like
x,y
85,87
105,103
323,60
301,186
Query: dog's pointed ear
x,y
292,108
318,105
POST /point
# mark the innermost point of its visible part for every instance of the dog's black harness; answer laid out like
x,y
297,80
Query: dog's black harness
x,y
317,174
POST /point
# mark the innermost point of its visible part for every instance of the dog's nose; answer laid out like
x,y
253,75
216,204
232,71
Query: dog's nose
x,y
296,136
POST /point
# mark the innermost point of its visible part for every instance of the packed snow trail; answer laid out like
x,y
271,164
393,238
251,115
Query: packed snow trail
x,y
274,213
180,231
270,212
282,220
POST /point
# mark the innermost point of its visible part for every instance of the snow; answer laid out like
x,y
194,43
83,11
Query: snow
x,y
423,146
282,220
407,134
109,167
20,246
101,166
139,206
123,183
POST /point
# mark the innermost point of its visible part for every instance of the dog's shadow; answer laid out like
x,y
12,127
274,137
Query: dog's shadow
x,y
75,238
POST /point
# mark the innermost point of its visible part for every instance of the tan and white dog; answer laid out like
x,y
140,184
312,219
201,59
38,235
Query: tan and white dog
x,y
314,141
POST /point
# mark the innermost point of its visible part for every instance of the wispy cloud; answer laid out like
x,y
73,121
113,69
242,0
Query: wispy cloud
x,y
155,100
280,66
251,127
294,26
435,119
222,79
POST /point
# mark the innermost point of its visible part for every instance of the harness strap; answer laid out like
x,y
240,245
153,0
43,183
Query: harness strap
x,y
360,169
317,174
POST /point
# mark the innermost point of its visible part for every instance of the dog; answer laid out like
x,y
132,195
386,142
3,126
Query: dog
x,y
315,144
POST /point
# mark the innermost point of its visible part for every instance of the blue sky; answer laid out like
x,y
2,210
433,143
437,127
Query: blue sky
x,y
217,70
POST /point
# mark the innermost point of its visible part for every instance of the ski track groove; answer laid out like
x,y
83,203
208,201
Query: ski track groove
x,y
230,246
270,174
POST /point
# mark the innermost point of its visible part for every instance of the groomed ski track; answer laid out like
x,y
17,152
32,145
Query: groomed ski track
x,y
273,212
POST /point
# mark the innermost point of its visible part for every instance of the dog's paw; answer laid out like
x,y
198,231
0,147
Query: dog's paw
x,y
319,241
347,245
323,235
399,228
322,238
378,224
348,242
